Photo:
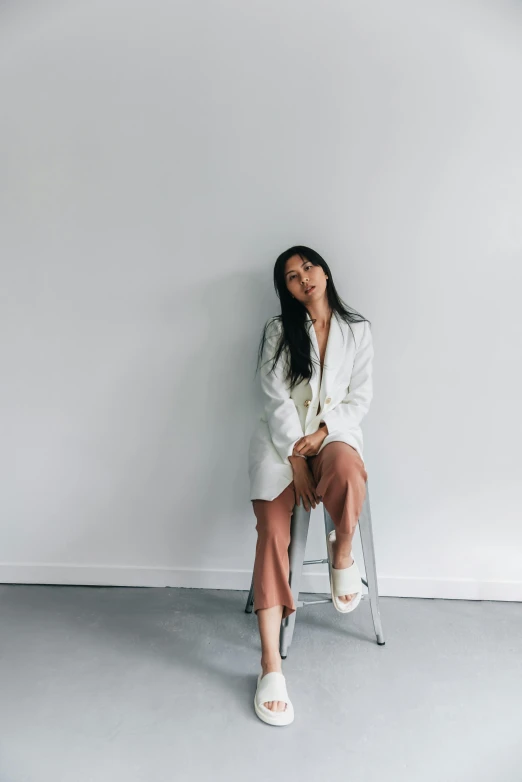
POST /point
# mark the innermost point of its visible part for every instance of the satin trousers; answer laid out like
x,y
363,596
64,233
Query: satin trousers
x,y
340,478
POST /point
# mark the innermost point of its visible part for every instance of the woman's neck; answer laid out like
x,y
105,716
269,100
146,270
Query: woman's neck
x,y
320,313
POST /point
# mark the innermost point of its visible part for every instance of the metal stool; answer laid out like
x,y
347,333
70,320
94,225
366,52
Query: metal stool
x,y
296,552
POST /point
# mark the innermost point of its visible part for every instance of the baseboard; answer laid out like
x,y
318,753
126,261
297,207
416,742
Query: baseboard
x,y
192,578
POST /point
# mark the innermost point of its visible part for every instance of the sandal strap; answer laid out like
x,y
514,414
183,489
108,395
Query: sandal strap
x,y
346,581
272,687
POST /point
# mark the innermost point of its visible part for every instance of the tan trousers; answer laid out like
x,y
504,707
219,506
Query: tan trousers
x,y
340,478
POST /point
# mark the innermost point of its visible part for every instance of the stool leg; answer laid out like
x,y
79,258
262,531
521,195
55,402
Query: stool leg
x,y
250,598
328,522
296,554
366,532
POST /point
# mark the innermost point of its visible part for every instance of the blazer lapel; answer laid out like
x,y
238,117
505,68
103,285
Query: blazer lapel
x,y
333,354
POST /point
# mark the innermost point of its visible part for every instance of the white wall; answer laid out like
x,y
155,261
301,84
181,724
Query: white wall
x,y
157,159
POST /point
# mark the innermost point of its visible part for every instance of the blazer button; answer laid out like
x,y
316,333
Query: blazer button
x,y
307,402
327,400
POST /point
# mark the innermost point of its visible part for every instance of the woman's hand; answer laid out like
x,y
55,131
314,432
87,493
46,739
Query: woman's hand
x,y
304,483
309,444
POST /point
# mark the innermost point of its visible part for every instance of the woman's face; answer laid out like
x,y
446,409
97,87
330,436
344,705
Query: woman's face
x,y
304,280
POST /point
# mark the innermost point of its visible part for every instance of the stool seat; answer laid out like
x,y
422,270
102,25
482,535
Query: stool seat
x,y
296,551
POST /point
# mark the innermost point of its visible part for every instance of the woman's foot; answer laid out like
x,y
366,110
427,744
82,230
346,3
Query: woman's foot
x,y
342,561
268,666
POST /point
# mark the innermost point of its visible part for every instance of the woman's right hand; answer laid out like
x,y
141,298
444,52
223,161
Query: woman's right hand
x,y
304,483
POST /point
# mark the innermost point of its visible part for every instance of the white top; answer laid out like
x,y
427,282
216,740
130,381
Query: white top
x,y
344,395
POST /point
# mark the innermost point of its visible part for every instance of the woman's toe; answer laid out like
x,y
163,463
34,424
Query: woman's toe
x,y
275,705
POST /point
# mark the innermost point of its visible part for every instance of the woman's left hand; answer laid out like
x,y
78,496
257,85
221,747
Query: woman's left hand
x,y
309,444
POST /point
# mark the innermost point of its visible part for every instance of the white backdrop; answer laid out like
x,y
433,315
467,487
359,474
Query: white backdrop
x,y
156,159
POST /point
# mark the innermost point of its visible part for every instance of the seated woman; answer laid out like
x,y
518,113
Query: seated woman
x,y
316,376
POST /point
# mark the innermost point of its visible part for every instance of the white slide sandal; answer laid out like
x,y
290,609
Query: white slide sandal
x,y
343,581
272,687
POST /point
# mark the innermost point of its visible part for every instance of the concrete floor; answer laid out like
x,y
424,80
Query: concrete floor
x,y
102,684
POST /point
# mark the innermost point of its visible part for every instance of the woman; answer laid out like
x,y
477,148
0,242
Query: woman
x,y
316,377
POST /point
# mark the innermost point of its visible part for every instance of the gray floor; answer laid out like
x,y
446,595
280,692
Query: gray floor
x,y
108,684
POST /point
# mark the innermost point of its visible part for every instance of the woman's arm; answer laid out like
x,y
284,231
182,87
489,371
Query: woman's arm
x,y
280,410
349,413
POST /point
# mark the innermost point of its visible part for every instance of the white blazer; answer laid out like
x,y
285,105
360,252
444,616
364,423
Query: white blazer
x,y
345,395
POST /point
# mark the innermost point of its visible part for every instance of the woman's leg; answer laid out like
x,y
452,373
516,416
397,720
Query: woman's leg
x,y
273,600
340,478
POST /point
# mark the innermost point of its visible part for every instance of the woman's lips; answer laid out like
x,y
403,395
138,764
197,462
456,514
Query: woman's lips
x,y
309,290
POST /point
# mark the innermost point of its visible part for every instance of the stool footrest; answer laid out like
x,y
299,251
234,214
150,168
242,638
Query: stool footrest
x,y
301,603
315,562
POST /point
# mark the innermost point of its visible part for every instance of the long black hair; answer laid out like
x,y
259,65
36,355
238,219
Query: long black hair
x,y
294,335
